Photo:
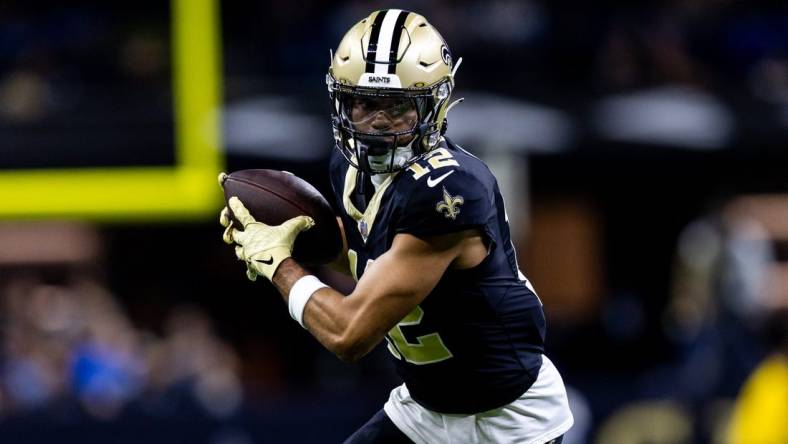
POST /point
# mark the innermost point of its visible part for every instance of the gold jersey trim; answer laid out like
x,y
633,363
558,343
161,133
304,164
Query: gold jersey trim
x,y
365,220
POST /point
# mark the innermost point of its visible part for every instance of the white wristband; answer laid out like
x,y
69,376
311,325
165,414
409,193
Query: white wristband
x,y
299,295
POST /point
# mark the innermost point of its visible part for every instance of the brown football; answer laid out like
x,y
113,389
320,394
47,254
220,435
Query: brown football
x,y
273,197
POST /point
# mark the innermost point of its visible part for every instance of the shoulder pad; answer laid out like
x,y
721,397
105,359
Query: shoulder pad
x,y
444,196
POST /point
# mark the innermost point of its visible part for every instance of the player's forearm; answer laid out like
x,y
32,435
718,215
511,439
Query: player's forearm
x,y
286,275
332,320
327,315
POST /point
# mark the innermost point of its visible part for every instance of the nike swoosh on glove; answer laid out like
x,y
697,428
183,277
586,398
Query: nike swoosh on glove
x,y
262,247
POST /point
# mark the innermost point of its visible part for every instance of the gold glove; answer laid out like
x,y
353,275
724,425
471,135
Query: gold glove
x,y
262,247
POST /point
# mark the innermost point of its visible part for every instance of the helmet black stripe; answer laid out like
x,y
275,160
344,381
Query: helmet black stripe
x,y
372,47
398,27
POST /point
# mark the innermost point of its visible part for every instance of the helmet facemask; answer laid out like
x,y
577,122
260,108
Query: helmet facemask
x,y
384,130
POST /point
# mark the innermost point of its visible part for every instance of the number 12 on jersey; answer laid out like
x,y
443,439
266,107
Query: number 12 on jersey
x,y
428,349
437,159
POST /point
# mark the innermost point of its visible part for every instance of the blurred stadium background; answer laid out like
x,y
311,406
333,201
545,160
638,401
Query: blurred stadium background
x,y
642,148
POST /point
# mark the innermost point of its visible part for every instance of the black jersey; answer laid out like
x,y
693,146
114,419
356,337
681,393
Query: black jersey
x,y
476,341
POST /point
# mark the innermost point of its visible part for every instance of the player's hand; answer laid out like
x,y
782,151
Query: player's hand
x,y
262,247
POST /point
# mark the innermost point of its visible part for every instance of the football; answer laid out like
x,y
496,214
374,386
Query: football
x,y
272,197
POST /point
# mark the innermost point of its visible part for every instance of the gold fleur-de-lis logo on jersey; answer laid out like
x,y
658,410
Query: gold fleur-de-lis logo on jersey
x,y
449,206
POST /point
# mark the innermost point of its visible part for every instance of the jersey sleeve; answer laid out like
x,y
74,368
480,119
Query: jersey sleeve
x,y
337,168
451,201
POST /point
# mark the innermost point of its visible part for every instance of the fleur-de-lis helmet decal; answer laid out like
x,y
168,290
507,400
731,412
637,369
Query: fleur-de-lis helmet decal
x,y
449,206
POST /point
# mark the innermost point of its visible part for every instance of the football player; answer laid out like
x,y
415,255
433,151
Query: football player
x,y
429,245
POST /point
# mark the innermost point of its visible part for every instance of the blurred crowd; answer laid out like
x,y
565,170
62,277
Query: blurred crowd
x,y
87,76
55,58
539,49
71,344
